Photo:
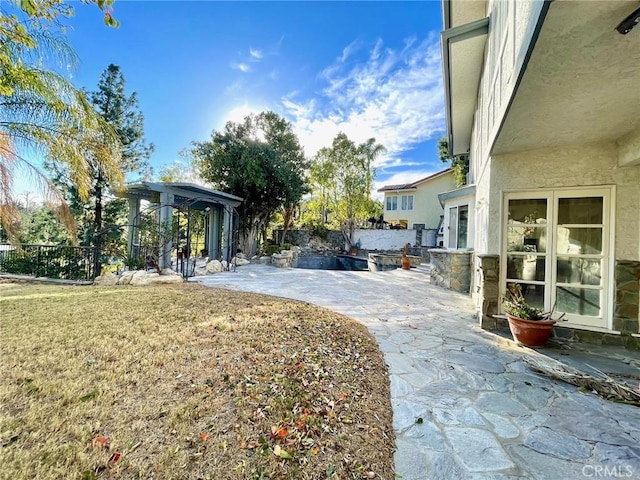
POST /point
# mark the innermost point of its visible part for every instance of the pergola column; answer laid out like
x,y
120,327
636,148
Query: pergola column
x,y
213,233
133,222
165,225
228,233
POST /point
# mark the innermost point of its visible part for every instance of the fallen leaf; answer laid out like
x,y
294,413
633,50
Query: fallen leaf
x,y
114,458
101,442
279,452
204,436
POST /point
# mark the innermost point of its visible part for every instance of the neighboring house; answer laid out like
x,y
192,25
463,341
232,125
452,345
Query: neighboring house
x,y
416,204
545,99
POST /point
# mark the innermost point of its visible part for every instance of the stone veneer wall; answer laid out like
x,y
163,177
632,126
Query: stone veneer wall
x,y
627,302
489,291
451,269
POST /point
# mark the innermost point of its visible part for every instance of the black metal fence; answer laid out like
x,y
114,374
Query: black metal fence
x,y
51,261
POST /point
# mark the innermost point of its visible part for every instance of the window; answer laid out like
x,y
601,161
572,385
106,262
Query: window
x,y
458,226
392,203
556,245
407,202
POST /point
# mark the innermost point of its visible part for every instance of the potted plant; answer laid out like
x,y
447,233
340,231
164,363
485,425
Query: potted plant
x,y
529,325
405,261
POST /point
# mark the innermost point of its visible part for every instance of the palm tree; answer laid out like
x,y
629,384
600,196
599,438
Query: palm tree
x,y
43,114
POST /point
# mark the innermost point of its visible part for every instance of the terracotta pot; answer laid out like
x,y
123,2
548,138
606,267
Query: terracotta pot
x,y
406,263
530,333
353,251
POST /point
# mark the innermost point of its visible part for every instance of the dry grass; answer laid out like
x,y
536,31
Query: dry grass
x,y
186,382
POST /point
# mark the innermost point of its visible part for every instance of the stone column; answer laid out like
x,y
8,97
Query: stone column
x,y
165,224
627,301
489,290
133,224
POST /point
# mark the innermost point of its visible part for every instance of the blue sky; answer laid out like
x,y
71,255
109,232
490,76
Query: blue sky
x,y
364,68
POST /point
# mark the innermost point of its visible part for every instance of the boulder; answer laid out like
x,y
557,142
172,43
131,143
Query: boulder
x,y
265,260
242,261
141,278
125,278
106,279
214,266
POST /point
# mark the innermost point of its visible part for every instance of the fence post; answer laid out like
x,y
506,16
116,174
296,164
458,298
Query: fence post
x,y
38,260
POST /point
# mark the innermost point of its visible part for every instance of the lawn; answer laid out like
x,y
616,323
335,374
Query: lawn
x,y
184,381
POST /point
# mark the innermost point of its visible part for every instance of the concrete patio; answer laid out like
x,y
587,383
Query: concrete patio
x,y
465,405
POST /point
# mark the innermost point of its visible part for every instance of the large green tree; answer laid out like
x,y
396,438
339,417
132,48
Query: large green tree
x,y
121,112
260,160
42,115
342,176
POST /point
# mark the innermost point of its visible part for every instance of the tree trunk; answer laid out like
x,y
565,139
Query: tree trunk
x,y
97,236
287,215
247,240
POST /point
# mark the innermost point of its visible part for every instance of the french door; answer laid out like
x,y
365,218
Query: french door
x,y
556,244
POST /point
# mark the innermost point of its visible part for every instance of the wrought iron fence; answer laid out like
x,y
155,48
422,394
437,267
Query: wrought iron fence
x,y
51,261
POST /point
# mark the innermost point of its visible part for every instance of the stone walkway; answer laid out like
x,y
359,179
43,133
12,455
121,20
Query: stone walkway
x,y
464,404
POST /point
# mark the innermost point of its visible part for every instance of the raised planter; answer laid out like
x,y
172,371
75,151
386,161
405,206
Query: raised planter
x,y
381,262
530,333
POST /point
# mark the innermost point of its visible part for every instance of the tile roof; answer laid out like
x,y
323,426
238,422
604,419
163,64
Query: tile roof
x,y
409,186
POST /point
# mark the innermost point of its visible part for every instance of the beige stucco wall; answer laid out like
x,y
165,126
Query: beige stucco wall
x,y
426,206
584,165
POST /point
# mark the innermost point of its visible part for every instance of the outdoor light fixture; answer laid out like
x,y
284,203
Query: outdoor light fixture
x,y
628,23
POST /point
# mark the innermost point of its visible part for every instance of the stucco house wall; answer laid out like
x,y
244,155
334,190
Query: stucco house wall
x,y
426,206
577,166
570,158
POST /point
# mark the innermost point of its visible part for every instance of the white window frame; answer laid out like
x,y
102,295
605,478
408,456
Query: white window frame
x,y
392,201
452,241
552,195
406,202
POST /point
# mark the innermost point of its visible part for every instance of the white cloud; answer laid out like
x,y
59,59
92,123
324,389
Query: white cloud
x,y
394,95
349,50
243,67
255,53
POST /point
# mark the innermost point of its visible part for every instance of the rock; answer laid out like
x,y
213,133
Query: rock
x,y
141,278
241,255
242,261
214,266
126,277
265,260
106,279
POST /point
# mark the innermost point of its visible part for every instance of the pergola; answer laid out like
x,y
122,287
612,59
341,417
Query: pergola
x,y
167,196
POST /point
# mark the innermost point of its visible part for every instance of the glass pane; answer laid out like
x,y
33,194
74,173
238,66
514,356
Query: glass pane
x,y
525,267
577,240
527,239
579,270
531,211
463,220
586,210
534,294
578,301
453,227
410,203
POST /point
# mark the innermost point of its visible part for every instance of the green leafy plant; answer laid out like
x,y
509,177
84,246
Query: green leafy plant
x,y
516,304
